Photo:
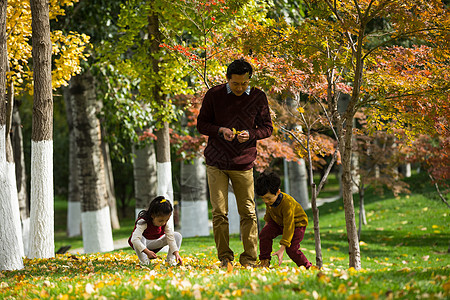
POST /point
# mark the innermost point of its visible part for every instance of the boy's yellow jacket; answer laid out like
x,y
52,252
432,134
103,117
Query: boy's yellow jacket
x,y
288,214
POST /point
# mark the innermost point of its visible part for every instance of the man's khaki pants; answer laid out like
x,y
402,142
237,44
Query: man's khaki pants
x,y
242,182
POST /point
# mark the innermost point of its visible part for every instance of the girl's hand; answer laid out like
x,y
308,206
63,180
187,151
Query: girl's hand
x,y
150,254
178,258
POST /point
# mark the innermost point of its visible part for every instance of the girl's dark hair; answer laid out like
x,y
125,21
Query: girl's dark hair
x,y
239,67
267,182
158,207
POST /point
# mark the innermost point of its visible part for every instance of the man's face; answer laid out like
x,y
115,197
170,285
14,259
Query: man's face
x,y
238,83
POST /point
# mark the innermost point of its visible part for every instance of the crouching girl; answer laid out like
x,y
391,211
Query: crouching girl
x,y
151,233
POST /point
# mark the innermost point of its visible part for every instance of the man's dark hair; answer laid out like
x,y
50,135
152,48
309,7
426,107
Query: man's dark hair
x,y
267,182
239,67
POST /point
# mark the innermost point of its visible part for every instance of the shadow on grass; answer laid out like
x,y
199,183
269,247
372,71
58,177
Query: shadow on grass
x,y
384,243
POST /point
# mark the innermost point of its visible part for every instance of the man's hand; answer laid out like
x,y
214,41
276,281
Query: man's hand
x,y
280,253
227,133
243,136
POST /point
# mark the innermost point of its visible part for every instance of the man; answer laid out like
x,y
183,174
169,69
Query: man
x,y
234,116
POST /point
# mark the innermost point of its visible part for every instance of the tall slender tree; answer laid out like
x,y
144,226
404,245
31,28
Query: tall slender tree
x,y
145,178
95,214
68,49
21,176
73,201
42,212
10,257
11,168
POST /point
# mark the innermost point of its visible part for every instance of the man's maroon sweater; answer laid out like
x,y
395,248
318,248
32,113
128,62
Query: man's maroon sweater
x,y
245,112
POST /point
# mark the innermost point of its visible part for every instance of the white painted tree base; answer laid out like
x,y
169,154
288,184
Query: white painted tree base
x,y
10,256
97,232
26,236
233,215
11,171
42,243
194,218
297,177
73,218
165,188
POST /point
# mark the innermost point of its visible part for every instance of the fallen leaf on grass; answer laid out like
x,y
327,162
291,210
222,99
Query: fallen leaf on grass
x,y
44,294
342,289
446,287
89,288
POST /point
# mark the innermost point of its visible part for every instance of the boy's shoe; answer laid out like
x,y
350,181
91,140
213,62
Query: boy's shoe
x,y
250,265
263,263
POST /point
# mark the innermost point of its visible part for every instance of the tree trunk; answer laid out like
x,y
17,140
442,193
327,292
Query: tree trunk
x,y
362,210
163,162
298,182
10,234
315,211
355,175
164,165
11,169
406,170
42,212
345,147
21,176
109,178
10,240
194,201
145,178
234,219
95,214
74,204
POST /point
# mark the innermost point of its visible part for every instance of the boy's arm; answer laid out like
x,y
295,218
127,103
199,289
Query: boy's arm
x,y
267,217
288,232
280,253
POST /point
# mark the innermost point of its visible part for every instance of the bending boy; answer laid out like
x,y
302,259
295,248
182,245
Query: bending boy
x,y
284,215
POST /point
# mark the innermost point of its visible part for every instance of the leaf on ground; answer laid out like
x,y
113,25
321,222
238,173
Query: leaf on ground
x,y
89,288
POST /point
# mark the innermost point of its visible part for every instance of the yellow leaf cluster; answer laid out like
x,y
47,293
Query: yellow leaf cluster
x,y
68,49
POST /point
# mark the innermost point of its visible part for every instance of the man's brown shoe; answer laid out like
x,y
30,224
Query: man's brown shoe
x,y
226,264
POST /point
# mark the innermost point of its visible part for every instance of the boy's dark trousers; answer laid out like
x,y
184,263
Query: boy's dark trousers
x,y
270,231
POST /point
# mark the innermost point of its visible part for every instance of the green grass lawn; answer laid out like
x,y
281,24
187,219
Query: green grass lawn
x,y
403,256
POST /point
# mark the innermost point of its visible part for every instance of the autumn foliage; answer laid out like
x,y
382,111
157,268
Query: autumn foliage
x,y
68,48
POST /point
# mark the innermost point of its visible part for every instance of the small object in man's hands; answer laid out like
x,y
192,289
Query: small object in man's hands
x,y
236,132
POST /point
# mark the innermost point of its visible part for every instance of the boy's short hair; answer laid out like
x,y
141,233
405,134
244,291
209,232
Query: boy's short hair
x,y
239,67
267,182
